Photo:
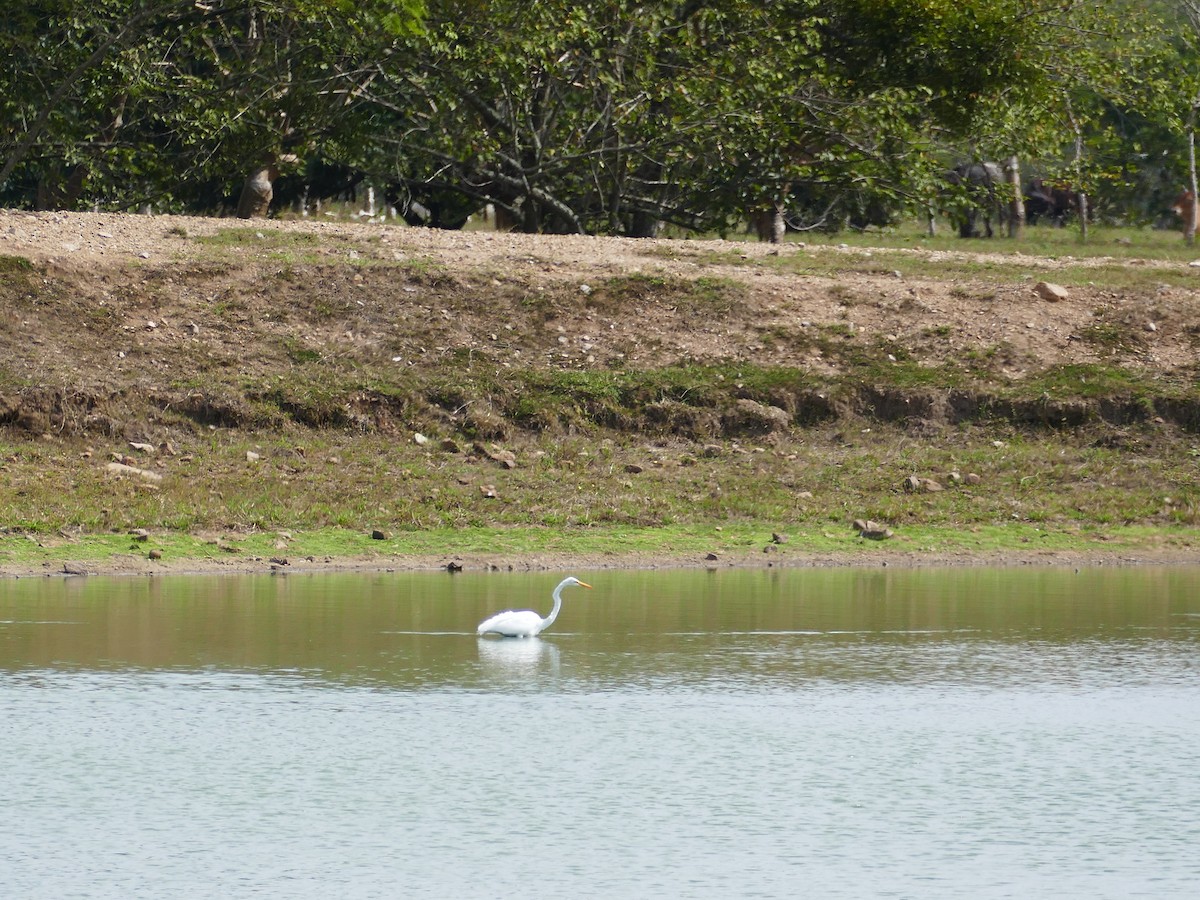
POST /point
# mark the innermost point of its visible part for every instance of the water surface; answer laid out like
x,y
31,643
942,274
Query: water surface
x,y
824,733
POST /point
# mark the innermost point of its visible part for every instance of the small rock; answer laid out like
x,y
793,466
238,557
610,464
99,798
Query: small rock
x,y
454,566
155,554
711,557
711,451
872,530
420,439
140,534
379,535
506,458
879,533
634,469
251,456
929,486
777,538
117,468
972,478
1049,291
912,483
488,491
762,417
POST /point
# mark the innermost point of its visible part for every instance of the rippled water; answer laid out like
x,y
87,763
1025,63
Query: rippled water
x,y
842,733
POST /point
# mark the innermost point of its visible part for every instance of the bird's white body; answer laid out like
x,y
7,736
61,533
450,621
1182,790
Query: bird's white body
x,y
525,622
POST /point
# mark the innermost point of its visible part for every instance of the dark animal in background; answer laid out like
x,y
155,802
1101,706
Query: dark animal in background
x,y
1048,200
769,222
978,199
1185,207
426,206
257,191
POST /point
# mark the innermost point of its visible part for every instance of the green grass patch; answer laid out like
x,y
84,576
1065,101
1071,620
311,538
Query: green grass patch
x,y
1087,381
261,238
15,265
684,543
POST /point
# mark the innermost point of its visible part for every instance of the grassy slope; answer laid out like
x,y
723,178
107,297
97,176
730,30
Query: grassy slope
x,y
285,443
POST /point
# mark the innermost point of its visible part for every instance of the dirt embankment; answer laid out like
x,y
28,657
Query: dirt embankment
x,y
113,324
159,280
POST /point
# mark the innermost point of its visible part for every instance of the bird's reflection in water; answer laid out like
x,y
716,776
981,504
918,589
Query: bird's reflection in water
x,y
517,656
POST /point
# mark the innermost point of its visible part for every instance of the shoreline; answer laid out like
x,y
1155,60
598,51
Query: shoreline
x,y
121,566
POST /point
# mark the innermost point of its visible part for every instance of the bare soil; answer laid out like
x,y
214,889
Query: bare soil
x,y
182,278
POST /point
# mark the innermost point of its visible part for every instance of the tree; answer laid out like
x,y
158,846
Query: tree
x,y
610,116
145,96
614,116
1098,107
1191,14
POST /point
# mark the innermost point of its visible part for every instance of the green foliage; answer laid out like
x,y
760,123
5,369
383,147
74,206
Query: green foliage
x,y
959,54
607,117
123,102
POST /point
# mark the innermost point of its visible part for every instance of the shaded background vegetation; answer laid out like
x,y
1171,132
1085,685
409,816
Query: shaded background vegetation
x,y
611,117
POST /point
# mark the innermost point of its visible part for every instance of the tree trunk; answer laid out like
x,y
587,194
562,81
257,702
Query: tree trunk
x,y
1016,215
1081,199
1189,225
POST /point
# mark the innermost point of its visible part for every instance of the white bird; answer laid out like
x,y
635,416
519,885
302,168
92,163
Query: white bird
x,y
525,622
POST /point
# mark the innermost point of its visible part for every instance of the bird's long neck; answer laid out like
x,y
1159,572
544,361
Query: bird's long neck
x,y
549,620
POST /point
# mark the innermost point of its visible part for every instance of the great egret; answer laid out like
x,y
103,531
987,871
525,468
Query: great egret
x,y
525,622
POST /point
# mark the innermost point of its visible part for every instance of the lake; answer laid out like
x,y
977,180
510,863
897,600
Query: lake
x,y
826,733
